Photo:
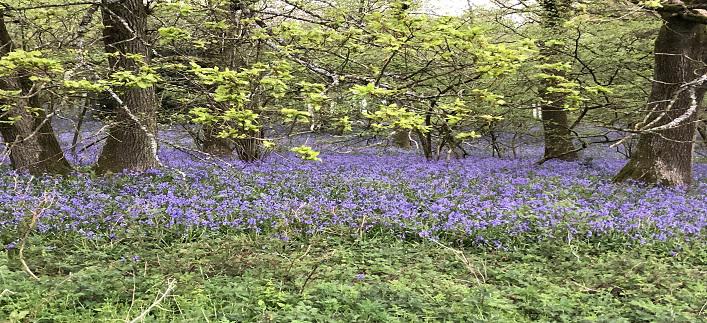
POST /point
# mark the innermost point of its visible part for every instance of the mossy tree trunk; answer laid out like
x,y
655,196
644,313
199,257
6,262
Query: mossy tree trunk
x,y
664,154
558,138
132,142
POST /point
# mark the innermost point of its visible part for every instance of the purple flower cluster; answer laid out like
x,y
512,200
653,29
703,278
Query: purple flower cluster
x,y
484,200
480,199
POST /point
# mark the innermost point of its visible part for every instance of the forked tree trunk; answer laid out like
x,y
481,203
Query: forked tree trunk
x,y
28,134
556,127
132,143
665,156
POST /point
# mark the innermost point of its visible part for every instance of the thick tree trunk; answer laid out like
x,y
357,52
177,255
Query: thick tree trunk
x,y
132,142
28,134
556,127
664,156
558,136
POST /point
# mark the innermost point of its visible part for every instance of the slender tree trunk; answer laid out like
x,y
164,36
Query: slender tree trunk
x,y
556,127
132,142
495,145
426,137
79,126
29,134
250,149
664,156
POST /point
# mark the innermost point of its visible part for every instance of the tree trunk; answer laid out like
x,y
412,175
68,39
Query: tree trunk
x,y
212,144
250,149
228,57
132,142
702,130
401,138
557,134
28,134
664,155
556,127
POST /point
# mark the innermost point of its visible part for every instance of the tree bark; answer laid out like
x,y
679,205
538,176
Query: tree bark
x,y
702,130
229,57
132,143
212,144
401,138
25,126
664,156
250,149
558,137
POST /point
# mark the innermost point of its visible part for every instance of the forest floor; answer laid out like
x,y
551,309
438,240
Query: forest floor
x,y
328,278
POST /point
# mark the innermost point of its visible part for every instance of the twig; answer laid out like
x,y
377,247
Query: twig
x,y
170,287
292,263
314,270
7,292
132,302
478,275
45,204
360,227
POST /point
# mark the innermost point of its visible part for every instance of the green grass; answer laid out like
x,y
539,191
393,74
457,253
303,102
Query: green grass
x,y
244,278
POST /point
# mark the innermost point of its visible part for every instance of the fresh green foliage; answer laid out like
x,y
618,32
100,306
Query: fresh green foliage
x,y
306,153
406,71
33,61
373,70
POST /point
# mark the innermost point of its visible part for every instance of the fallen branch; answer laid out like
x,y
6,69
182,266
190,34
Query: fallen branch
x,y
171,285
6,292
44,205
473,270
